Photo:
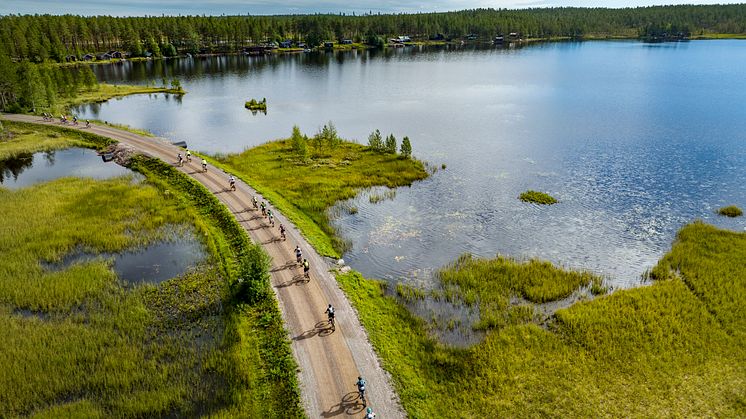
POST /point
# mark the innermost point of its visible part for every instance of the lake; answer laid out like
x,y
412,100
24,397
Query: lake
x,y
634,139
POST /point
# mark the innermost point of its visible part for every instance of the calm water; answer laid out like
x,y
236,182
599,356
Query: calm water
x,y
635,140
28,169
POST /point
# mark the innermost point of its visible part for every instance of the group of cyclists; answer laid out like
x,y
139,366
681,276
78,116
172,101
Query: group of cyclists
x,y
300,260
48,117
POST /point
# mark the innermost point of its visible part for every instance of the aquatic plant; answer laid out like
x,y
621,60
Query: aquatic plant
x,y
537,198
731,211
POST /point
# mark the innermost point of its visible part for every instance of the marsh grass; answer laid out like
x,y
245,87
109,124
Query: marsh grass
x,y
32,138
537,198
731,211
74,342
303,189
674,348
386,195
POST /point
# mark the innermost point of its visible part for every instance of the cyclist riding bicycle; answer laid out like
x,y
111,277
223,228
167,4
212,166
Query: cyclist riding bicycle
x,y
298,254
369,414
255,201
306,269
361,389
282,231
264,209
188,156
181,160
232,182
330,314
271,219
204,165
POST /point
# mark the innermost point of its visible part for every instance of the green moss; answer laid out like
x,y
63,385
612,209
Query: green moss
x,y
731,211
537,198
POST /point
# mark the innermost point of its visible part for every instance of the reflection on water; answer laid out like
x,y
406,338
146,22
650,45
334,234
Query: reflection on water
x,y
151,264
634,141
29,169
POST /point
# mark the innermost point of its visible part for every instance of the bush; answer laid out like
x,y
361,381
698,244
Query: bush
x,y
299,142
730,211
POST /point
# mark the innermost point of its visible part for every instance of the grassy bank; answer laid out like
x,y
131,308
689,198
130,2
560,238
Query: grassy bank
x,y
103,92
76,342
31,138
303,188
674,348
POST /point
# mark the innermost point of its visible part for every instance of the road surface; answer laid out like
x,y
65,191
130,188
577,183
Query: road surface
x,y
329,361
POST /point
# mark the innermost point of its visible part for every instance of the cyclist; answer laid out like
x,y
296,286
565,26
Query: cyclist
x,y
254,200
232,182
369,414
361,389
271,219
181,160
330,314
189,156
298,254
204,165
306,269
87,123
75,120
282,231
264,209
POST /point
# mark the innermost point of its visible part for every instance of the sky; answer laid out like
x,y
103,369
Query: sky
x,y
267,7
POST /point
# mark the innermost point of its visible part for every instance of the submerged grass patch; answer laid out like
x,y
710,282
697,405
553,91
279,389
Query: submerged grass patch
x,y
731,211
675,348
304,188
537,198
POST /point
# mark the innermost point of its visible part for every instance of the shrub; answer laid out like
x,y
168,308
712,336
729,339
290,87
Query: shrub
x,y
299,142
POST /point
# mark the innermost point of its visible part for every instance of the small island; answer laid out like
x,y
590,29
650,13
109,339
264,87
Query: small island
x,y
731,211
255,105
537,198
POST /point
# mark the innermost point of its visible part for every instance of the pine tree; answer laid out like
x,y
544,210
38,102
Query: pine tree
x,y
299,142
375,141
390,144
406,147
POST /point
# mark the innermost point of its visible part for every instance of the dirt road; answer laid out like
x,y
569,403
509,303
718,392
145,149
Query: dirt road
x,y
330,360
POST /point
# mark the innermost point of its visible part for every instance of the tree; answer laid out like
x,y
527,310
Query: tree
x,y
153,47
176,85
390,144
299,142
406,147
169,50
329,134
375,141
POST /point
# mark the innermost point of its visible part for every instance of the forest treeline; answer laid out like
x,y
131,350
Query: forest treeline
x,y
46,37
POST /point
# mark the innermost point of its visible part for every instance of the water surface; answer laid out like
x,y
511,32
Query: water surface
x,y
634,139
29,169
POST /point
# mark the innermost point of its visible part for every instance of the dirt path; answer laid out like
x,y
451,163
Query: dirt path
x,y
330,361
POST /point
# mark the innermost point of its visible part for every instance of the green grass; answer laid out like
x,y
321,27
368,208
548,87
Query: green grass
x,y
303,189
537,198
103,92
33,138
675,348
731,211
85,346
